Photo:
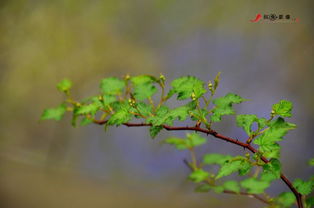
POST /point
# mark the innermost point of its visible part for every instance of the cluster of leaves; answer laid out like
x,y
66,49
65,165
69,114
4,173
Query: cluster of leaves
x,y
120,101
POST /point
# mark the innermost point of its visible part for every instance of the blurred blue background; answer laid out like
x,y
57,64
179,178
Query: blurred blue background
x,y
51,164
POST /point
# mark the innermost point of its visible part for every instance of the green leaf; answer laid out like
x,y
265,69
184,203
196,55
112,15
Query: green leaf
x,y
231,166
245,167
309,202
185,86
54,113
143,79
108,99
179,143
112,86
64,86
121,115
311,162
267,141
232,186
218,189
119,118
88,109
198,175
161,117
143,86
194,140
271,170
154,130
207,188
286,199
144,109
303,187
223,106
218,159
283,108
85,121
203,188
197,114
182,112
254,186
191,141
144,91
246,121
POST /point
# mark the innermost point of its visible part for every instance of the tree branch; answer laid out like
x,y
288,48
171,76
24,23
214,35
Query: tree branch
x,y
221,137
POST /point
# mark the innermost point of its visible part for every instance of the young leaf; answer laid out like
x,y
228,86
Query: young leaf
x,y
194,140
154,130
64,86
246,121
89,109
303,187
283,108
218,159
54,113
144,109
271,170
121,114
223,106
232,186
198,175
161,117
254,186
286,199
144,91
245,167
203,188
185,86
85,121
311,162
267,141
179,143
231,166
143,86
309,202
191,141
182,112
112,86
108,99
143,79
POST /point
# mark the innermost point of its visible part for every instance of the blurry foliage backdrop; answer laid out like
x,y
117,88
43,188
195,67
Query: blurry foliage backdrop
x,y
50,164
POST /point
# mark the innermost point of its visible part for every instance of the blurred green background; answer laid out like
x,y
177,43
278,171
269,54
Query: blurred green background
x,y
49,164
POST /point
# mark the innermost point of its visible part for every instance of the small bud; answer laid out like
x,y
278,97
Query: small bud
x,y
272,112
127,77
131,102
247,155
210,85
193,96
162,77
100,97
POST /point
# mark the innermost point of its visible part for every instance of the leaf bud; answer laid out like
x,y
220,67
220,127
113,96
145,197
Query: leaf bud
x,y
162,77
210,85
193,96
127,77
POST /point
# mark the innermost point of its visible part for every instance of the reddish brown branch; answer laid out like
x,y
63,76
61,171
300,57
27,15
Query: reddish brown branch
x,y
222,137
